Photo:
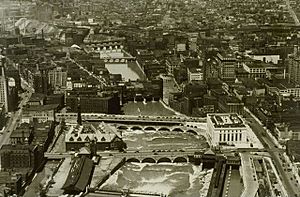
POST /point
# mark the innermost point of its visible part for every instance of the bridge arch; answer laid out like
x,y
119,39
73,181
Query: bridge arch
x,y
180,160
150,129
133,160
202,137
164,160
192,131
122,127
177,129
163,129
148,160
134,128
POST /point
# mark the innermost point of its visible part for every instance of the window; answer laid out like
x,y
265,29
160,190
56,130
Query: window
x,y
220,137
228,137
240,136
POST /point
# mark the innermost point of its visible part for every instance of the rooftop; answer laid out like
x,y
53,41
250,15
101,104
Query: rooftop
x,y
226,120
88,132
37,97
41,107
258,64
195,70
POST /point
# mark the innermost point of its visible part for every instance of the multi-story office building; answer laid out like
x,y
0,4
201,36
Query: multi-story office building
x,y
19,156
294,70
57,78
195,74
3,89
227,66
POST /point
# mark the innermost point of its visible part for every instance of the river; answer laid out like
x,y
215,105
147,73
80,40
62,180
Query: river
x,y
174,180
163,140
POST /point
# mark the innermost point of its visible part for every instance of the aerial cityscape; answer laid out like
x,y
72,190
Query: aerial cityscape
x,y
149,98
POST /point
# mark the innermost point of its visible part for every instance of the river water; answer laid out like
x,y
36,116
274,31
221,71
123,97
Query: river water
x,y
172,179
163,140
175,180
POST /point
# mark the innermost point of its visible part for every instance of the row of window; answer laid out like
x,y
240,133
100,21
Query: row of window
x,y
230,137
234,131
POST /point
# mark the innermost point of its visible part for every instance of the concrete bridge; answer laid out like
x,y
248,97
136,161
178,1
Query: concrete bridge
x,y
183,129
143,156
130,119
159,159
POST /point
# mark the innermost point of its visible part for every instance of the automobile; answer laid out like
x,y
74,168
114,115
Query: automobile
x,y
153,151
137,151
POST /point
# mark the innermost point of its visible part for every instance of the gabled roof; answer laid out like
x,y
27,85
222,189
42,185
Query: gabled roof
x,y
209,152
79,175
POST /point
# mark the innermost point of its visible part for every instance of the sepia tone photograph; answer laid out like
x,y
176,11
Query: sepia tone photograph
x,y
149,98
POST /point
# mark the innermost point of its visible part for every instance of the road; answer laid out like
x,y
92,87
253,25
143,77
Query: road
x,y
13,121
274,152
99,78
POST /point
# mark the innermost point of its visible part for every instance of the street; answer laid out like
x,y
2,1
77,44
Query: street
x,y
13,121
274,151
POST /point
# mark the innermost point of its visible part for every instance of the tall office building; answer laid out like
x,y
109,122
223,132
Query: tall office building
x,y
57,78
294,70
3,86
12,94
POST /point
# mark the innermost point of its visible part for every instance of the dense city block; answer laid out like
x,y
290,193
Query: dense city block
x,y
177,98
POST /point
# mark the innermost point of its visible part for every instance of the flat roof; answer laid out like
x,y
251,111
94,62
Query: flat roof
x,y
258,64
226,120
41,107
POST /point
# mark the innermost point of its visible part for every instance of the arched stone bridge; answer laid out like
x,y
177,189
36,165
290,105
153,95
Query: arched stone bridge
x,y
195,131
159,159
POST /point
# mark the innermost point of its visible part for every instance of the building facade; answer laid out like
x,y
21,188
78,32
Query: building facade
x,y
3,90
227,67
41,113
19,156
226,128
294,70
57,78
195,74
